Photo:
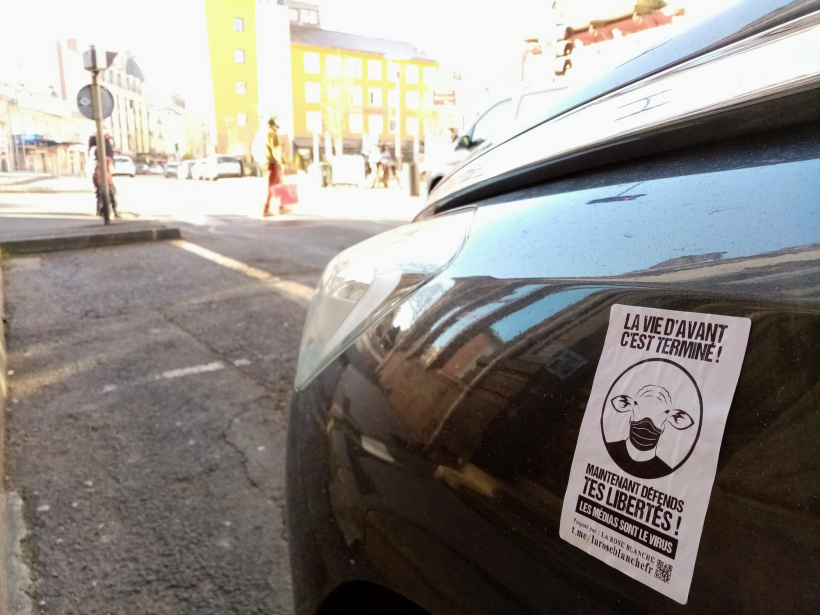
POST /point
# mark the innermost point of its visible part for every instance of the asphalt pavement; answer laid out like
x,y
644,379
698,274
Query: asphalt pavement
x,y
148,393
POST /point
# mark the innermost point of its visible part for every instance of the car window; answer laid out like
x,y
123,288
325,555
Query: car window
x,y
494,121
536,105
226,159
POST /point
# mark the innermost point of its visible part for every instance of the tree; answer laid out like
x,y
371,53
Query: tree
x,y
336,106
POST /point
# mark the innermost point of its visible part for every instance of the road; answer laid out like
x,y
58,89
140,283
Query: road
x,y
146,425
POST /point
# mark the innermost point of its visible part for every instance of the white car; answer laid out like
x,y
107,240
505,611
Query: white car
x,y
516,110
215,167
123,165
184,169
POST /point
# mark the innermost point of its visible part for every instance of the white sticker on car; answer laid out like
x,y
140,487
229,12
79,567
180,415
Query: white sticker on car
x,y
647,451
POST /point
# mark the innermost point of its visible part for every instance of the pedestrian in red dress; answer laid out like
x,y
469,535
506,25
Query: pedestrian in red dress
x,y
274,159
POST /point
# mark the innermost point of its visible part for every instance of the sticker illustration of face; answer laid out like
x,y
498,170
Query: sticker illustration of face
x,y
650,413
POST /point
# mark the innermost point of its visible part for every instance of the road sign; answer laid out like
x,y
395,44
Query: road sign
x,y
444,98
97,59
84,102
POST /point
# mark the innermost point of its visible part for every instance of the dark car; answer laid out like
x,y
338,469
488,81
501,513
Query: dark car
x,y
586,378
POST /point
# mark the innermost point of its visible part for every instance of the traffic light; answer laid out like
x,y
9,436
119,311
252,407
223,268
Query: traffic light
x,y
176,147
563,50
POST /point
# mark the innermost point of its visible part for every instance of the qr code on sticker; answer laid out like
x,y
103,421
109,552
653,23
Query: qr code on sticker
x,y
663,572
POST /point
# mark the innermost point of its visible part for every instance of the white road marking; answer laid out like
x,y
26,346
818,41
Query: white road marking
x,y
292,290
194,369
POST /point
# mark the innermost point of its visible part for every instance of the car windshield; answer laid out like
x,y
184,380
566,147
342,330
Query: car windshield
x,y
226,159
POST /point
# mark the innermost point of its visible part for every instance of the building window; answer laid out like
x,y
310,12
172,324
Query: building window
x,y
412,125
241,119
374,70
241,88
392,98
411,73
354,68
333,66
309,16
355,95
429,74
313,92
356,123
375,124
239,56
312,63
393,70
238,24
411,100
427,101
314,121
293,14
375,97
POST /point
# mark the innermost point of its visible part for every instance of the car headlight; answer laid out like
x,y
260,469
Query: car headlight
x,y
364,282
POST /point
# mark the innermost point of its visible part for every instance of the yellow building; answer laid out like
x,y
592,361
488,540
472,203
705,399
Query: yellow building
x,y
231,28
273,59
347,85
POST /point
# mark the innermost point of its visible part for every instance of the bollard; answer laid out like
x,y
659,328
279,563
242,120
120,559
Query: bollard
x,y
412,178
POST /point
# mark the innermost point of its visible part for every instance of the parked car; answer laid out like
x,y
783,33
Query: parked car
x,y
216,167
481,422
156,169
517,108
123,165
141,169
184,169
171,169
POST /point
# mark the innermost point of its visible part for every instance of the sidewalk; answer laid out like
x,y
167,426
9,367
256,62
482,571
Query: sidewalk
x,y
43,182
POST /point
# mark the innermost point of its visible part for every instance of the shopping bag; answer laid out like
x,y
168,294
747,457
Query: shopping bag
x,y
286,193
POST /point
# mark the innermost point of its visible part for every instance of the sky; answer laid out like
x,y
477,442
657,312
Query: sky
x,y
168,36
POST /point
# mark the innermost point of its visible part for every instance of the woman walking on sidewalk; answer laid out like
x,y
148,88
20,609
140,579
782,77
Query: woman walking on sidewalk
x,y
112,190
274,159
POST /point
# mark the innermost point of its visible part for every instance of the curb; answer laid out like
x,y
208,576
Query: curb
x,y
3,397
45,191
79,242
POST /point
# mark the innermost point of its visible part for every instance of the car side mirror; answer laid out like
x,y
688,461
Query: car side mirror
x,y
464,142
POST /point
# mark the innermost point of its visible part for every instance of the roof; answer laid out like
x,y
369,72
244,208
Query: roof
x,y
133,69
305,35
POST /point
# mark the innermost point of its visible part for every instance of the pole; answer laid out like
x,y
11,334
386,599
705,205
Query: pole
x,y
11,130
96,106
398,119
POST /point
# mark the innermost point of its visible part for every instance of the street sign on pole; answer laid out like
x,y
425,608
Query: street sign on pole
x,y
84,102
95,61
